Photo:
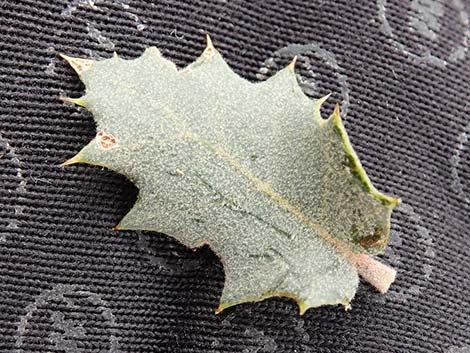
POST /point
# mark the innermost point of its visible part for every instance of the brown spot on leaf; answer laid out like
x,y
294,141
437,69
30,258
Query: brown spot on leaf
x,y
372,239
105,141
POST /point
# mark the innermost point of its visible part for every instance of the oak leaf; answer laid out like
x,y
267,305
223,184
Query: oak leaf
x,y
251,169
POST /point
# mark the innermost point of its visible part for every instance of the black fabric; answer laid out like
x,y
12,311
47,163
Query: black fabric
x,y
69,283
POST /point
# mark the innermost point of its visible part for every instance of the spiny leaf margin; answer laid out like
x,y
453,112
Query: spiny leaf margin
x,y
378,274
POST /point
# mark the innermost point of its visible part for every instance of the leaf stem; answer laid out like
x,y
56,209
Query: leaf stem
x,y
381,276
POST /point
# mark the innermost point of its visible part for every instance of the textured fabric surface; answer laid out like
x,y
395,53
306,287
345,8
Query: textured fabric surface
x,y
69,283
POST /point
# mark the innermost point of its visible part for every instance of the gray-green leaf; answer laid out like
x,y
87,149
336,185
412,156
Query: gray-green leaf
x,y
251,169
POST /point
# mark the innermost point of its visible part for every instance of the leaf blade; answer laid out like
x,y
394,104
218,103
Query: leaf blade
x,y
250,169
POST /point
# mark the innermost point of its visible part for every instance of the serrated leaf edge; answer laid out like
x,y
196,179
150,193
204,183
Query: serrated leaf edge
x,y
364,264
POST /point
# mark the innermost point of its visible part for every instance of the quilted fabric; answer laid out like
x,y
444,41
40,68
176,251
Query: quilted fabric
x,y
69,283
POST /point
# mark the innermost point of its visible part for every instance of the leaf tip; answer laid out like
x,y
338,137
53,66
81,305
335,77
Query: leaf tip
x,y
303,307
79,65
220,308
337,113
121,226
291,66
78,101
209,41
319,102
74,160
210,51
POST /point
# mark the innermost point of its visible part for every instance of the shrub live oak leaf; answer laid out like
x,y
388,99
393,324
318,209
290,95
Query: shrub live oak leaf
x,y
251,169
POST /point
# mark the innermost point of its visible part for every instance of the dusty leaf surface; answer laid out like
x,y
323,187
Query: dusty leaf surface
x,y
251,169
